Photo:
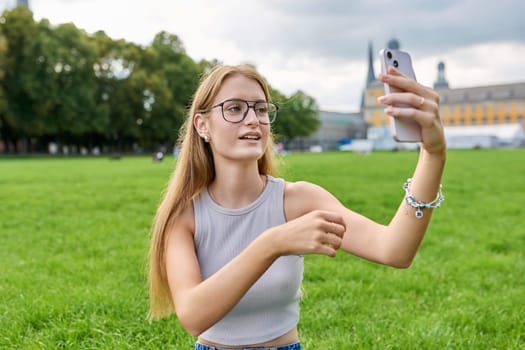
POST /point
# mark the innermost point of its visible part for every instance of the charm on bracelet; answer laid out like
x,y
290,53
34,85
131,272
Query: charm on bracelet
x,y
419,206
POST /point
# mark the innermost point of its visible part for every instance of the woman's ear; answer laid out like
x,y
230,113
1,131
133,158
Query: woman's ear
x,y
200,124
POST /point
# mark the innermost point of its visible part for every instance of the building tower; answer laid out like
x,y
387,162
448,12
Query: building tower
x,y
10,4
371,76
393,44
22,3
441,82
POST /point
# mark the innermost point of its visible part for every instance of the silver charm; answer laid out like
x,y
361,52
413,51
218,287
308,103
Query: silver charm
x,y
414,203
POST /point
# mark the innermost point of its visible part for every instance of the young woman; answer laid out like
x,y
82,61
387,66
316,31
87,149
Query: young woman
x,y
229,238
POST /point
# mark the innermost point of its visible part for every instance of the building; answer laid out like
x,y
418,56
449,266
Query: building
x,y
372,111
485,136
491,106
13,3
22,3
336,128
483,105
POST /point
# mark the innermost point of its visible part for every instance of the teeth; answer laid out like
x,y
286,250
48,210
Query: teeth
x,y
251,137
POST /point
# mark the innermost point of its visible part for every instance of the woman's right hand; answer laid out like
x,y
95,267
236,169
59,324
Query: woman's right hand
x,y
317,232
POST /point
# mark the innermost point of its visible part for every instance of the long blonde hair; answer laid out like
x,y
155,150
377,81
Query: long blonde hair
x,y
194,171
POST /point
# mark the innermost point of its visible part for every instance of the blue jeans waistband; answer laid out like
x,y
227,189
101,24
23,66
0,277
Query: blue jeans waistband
x,y
294,346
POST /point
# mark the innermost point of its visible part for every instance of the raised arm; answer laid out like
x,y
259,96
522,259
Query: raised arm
x,y
397,243
408,226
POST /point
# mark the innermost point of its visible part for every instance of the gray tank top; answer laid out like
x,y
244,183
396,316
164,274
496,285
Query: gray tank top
x,y
270,308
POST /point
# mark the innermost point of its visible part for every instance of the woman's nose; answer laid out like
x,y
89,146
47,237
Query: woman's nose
x,y
251,116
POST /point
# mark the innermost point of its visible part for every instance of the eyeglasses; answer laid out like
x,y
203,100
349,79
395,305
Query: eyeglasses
x,y
235,110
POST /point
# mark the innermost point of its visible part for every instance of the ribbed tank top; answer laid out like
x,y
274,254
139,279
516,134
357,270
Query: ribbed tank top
x,y
270,308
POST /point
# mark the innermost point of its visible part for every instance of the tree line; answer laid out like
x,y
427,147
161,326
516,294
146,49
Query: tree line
x,y
60,85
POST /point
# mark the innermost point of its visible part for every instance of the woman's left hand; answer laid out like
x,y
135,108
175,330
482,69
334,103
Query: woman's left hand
x,y
424,109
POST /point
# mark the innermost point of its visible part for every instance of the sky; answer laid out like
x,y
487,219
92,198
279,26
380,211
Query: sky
x,y
321,46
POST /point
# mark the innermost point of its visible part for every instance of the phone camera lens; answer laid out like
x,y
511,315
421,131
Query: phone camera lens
x,y
389,55
396,63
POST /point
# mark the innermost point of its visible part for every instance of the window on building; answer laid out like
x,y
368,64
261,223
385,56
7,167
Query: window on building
x,y
488,108
508,120
484,121
519,120
473,121
462,121
478,109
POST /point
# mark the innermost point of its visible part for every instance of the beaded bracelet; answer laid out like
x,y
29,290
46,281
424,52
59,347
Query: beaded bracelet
x,y
414,203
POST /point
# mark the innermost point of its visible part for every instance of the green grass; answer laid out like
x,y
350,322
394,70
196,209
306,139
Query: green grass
x,y
74,236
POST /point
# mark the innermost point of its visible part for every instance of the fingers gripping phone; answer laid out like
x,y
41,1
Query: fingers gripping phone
x,y
403,129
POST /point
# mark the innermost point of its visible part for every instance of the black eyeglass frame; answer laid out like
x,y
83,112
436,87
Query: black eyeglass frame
x,y
248,109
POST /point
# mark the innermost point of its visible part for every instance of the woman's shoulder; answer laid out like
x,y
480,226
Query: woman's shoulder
x,y
301,197
185,221
301,188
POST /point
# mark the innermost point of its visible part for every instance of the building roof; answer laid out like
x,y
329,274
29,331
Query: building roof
x,y
354,118
371,76
483,93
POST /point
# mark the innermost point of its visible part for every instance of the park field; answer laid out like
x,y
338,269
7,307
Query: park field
x,y
74,238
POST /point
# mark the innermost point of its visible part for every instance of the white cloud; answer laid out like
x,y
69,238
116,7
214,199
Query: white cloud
x,y
486,64
320,47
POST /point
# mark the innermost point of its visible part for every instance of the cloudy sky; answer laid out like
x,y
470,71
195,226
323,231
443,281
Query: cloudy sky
x,y
320,46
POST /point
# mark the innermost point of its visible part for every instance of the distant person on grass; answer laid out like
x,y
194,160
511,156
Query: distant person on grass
x,y
229,237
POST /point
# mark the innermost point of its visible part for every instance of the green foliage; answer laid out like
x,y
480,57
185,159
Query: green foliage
x,y
298,115
181,76
75,237
17,29
59,84
62,86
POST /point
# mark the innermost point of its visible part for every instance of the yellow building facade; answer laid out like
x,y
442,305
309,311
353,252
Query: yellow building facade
x,y
485,105
481,105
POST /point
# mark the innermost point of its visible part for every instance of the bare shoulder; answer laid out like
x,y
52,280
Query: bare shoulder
x,y
187,217
183,224
301,190
302,197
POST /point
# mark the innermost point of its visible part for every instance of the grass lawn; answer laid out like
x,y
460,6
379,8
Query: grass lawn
x,y
74,236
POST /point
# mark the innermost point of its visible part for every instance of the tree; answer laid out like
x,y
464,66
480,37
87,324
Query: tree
x,y
63,87
206,66
58,84
156,122
4,131
48,84
118,97
17,29
298,115
180,75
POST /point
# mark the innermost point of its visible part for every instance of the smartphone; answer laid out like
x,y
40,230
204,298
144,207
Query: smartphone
x,y
403,129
